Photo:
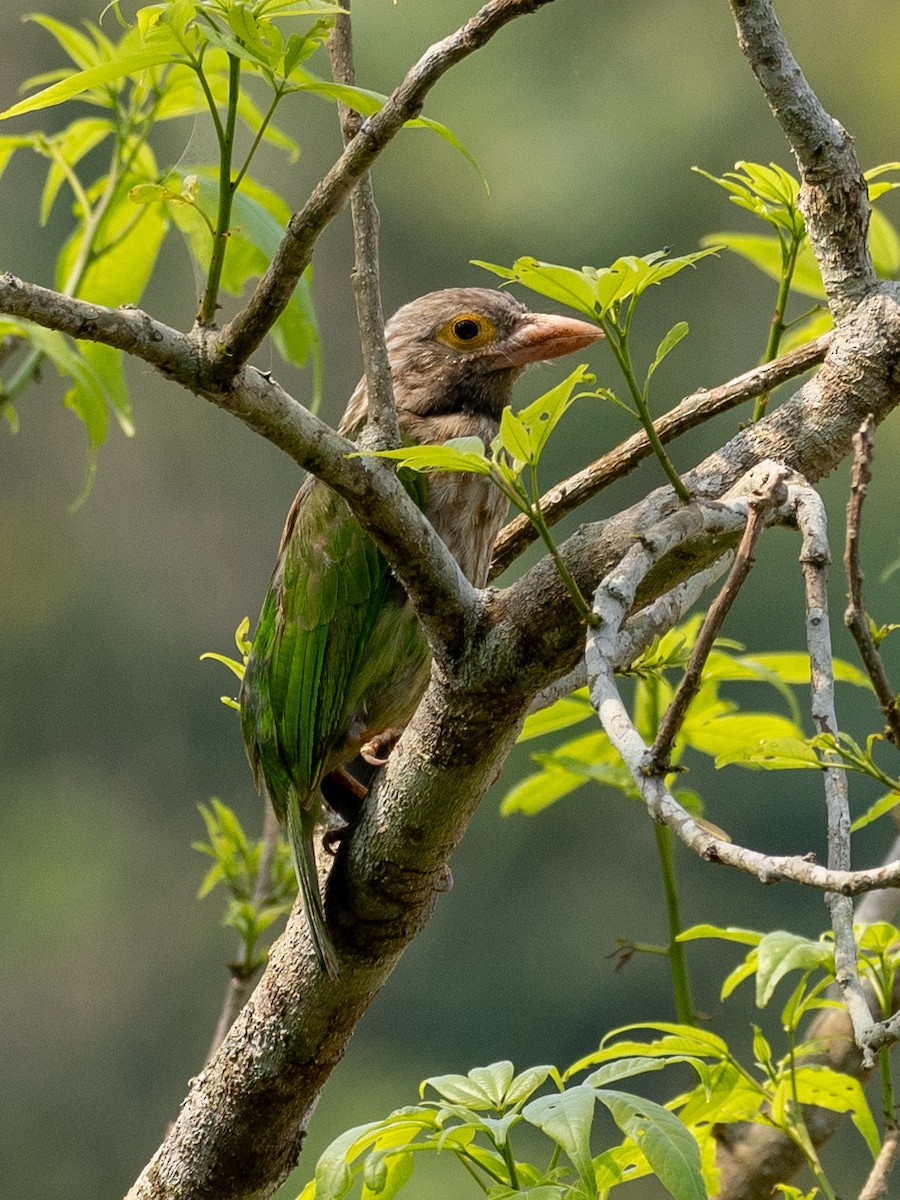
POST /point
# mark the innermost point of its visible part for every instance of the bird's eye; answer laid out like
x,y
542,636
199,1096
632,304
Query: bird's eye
x,y
468,331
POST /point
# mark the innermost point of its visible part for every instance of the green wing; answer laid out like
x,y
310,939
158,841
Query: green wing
x,y
327,591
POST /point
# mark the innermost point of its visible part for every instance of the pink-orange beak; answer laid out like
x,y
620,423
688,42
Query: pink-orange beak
x,y
544,335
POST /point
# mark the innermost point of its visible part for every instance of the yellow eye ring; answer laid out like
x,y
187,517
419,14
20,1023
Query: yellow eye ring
x,y
468,331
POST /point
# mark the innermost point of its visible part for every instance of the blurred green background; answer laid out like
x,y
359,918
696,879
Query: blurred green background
x,y
586,118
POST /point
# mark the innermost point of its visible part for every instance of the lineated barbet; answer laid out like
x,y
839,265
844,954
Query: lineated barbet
x,y
339,660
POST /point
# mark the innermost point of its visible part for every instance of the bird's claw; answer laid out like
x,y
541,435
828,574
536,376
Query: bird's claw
x,y
376,750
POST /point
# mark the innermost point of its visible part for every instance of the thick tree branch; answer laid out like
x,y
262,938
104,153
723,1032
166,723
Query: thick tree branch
x,y
245,332
533,619
241,1126
446,601
833,197
693,410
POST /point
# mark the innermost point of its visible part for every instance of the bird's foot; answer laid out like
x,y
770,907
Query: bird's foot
x,y
332,838
376,750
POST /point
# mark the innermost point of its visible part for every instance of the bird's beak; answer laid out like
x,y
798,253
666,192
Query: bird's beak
x,y
543,335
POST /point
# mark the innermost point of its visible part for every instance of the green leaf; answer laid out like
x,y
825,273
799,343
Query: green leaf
x,y
124,256
452,140
459,1089
765,253
529,1081
726,1095
386,1172
678,1040
879,937
260,217
230,663
669,1147
334,1178
744,970
667,267
794,668
826,1088
780,953
560,715
567,1120
762,1051
885,805
626,1068
747,937
514,438
456,454
740,737
9,145
593,290
544,1191
82,50
558,283
84,81
771,754
540,418
70,146
884,244
494,1080
669,342
537,792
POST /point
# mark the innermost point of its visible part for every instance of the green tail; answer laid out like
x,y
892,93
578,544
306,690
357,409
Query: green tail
x,y
304,858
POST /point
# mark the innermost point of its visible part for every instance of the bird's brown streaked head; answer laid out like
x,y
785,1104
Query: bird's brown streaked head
x,y
460,350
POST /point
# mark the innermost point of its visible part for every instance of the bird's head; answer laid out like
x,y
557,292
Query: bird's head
x,y
459,350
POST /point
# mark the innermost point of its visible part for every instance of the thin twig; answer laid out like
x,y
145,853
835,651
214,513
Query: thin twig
x,y
613,601
383,430
814,560
246,331
768,495
855,617
641,629
694,410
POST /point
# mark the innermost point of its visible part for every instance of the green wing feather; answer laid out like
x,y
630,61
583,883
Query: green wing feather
x,y
327,592
313,661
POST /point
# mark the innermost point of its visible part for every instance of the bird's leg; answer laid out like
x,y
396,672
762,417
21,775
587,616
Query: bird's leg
x,y
345,790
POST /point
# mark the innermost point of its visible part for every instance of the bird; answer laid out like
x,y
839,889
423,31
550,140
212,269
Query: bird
x,y
339,660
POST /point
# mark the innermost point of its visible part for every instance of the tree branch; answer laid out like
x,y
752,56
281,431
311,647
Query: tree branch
x,y
614,599
245,332
694,410
814,559
855,618
833,196
382,426
446,601
861,374
767,496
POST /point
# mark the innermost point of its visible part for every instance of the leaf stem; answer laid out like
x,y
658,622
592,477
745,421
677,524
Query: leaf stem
x,y
227,189
778,326
536,516
617,336
681,985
